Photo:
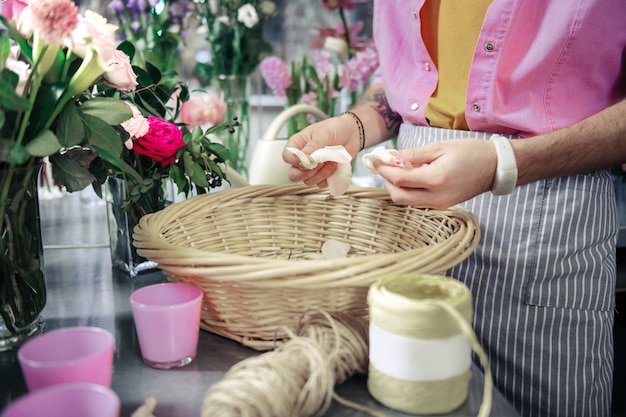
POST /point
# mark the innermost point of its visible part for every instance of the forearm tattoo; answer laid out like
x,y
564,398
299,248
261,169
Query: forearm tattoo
x,y
378,100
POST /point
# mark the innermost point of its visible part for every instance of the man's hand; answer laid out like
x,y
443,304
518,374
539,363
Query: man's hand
x,y
443,173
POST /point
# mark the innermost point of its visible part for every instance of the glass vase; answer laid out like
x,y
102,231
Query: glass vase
x,y
22,283
123,217
235,89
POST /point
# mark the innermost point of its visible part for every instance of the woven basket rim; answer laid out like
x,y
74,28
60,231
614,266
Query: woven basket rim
x,y
142,232
252,299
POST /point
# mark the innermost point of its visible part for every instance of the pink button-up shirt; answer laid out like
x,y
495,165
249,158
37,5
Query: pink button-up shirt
x,y
539,65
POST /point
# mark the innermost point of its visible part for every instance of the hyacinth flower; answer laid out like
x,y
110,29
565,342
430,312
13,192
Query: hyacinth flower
x,y
343,62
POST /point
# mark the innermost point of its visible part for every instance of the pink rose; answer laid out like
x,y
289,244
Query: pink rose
x,y
137,126
203,109
161,142
121,74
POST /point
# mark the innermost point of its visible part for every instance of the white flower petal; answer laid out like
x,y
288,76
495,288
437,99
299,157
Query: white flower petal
x,y
334,249
380,153
305,159
340,180
331,153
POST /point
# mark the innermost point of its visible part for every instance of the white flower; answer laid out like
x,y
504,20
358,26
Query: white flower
x,y
247,15
334,44
25,23
22,69
93,32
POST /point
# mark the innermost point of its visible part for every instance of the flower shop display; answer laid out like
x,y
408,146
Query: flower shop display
x,y
156,27
68,93
341,65
234,32
169,146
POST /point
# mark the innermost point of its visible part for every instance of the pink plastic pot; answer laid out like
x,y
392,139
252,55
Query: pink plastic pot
x,y
73,354
67,400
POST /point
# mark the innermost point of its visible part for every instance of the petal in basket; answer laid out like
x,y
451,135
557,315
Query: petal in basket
x,y
249,250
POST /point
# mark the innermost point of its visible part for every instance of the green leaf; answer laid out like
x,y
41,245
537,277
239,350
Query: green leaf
x,y
217,149
44,144
5,50
101,136
14,34
181,181
71,169
128,48
107,143
70,128
194,171
143,77
45,104
8,98
12,152
111,110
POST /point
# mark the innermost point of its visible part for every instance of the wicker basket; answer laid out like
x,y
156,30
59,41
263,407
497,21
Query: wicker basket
x,y
247,250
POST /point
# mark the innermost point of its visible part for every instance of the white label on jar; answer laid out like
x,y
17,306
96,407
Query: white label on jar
x,y
413,359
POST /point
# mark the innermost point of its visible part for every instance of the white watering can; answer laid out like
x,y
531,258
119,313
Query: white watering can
x,y
267,165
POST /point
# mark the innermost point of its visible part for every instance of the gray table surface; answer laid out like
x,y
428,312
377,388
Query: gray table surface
x,y
83,289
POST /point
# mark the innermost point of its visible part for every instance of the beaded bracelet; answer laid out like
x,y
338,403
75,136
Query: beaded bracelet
x,y
359,124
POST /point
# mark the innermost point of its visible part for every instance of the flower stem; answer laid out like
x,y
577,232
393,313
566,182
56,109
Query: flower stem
x,y
344,22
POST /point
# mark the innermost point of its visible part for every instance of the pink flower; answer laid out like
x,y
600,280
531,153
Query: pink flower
x,y
121,75
345,4
11,9
322,63
359,69
203,109
309,98
356,42
276,75
137,126
53,20
161,142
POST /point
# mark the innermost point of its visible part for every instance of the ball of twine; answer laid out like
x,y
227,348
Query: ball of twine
x,y
298,377
424,308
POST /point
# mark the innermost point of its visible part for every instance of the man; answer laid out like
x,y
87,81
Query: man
x,y
548,77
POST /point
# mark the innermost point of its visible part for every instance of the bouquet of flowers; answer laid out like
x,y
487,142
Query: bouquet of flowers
x,y
69,94
156,27
342,60
234,32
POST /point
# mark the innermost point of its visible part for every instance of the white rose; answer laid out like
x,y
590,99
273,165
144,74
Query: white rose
x,y
247,15
336,45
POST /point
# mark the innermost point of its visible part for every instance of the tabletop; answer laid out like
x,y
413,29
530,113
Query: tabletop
x,y
84,290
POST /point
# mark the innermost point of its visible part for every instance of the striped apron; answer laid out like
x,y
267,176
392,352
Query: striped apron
x,y
543,282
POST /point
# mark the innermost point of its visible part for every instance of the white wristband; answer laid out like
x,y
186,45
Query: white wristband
x,y
506,171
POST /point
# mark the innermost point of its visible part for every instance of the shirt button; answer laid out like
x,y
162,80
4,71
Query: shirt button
x,y
489,47
476,107
426,66
414,13
415,106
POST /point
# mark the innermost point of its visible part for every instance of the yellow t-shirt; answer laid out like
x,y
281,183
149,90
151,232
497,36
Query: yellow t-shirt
x,y
450,29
